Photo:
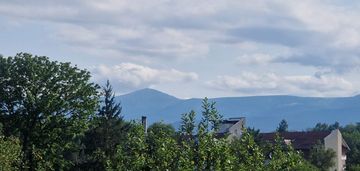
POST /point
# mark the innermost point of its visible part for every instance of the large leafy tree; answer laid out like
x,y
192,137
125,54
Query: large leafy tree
x,y
47,104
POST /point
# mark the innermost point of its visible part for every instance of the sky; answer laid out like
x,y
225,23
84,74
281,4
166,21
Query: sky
x,y
196,48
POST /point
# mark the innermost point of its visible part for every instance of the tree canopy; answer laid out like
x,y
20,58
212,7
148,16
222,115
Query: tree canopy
x,y
322,158
46,104
283,126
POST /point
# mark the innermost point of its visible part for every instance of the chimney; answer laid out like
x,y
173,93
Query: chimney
x,y
143,122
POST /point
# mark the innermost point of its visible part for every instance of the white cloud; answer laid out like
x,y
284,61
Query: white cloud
x,y
254,59
271,83
141,41
336,38
129,76
311,34
188,29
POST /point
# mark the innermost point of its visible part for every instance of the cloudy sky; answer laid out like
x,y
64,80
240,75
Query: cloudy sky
x,y
196,48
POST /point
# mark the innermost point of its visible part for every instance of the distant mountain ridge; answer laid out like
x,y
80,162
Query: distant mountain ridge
x,y
263,112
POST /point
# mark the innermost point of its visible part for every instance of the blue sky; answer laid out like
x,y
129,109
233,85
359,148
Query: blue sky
x,y
196,48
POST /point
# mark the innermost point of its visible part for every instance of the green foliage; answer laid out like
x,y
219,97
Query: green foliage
x,y
159,128
188,123
207,156
10,153
351,134
254,133
162,147
354,167
47,104
247,154
212,153
283,157
305,166
185,156
132,154
205,151
322,158
325,127
187,145
211,118
283,126
107,131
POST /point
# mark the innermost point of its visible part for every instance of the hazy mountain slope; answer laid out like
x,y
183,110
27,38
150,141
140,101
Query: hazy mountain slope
x,y
262,112
146,102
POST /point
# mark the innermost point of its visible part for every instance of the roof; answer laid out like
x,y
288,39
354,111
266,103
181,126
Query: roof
x,y
229,121
226,124
299,140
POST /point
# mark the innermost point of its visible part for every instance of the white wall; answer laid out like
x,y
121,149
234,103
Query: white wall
x,y
334,141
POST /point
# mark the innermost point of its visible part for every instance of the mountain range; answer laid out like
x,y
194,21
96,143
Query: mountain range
x,y
261,112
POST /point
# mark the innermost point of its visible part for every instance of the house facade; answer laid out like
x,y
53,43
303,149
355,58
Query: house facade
x,y
336,142
304,141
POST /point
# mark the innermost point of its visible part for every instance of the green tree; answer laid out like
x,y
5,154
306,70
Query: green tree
x,y
187,145
305,166
47,104
162,129
205,150
132,154
320,127
247,154
188,123
162,147
325,127
321,158
106,132
283,157
351,134
206,155
283,126
10,152
210,117
354,167
255,133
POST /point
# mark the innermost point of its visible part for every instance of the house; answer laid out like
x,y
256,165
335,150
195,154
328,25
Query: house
x,y
232,127
304,141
